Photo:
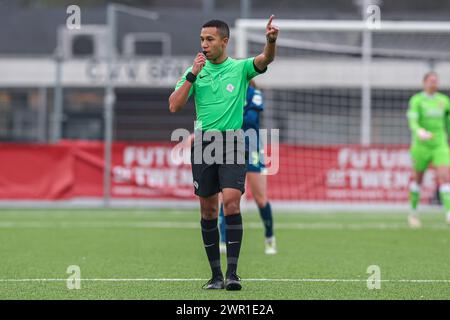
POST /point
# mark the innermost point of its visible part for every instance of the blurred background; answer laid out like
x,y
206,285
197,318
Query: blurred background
x,y
84,112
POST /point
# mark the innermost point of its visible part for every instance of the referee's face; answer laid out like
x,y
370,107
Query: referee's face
x,y
212,43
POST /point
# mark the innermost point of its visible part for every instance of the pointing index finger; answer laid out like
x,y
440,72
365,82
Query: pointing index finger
x,y
270,20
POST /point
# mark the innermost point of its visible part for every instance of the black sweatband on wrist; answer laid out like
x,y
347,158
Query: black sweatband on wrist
x,y
191,77
271,40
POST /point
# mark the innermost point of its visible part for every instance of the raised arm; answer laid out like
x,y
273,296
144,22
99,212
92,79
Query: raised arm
x,y
268,55
180,96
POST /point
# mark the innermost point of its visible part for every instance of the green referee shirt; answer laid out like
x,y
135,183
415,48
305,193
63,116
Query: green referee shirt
x,y
220,93
430,113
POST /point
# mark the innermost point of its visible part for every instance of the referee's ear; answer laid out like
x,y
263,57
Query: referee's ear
x,y
225,41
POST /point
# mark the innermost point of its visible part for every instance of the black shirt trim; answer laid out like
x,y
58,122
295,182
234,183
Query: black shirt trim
x,y
256,68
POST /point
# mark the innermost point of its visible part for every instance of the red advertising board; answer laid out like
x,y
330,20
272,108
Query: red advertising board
x,y
36,172
158,171
150,171
346,174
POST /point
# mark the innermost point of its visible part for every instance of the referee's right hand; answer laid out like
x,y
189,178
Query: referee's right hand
x,y
199,63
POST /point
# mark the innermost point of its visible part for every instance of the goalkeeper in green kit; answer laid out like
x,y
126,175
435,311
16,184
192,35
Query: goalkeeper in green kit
x,y
428,117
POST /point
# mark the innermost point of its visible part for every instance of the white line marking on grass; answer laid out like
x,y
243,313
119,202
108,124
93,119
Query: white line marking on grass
x,y
106,280
346,280
195,225
244,280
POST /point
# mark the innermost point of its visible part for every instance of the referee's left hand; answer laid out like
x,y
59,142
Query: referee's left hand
x,y
271,30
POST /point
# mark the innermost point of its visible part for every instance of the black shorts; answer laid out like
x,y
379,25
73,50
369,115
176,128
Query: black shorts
x,y
225,169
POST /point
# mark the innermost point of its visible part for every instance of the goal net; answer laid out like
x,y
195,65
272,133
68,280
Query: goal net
x,y
338,93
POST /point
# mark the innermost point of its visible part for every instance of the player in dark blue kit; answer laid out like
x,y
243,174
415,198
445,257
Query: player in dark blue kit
x,y
255,170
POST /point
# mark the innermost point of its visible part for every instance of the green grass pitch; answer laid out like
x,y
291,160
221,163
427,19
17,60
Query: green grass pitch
x,y
127,254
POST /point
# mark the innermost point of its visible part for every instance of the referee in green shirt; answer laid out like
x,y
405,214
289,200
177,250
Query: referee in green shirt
x,y
219,85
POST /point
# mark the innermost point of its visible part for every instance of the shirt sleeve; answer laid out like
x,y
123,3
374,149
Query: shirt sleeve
x,y
448,114
250,69
413,114
183,80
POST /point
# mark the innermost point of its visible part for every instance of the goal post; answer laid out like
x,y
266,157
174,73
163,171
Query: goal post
x,y
244,26
338,92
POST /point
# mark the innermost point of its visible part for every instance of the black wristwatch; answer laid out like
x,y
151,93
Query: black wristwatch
x,y
191,77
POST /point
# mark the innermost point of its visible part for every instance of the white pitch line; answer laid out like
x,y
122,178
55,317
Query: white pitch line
x,y
106,280
244,280
195,225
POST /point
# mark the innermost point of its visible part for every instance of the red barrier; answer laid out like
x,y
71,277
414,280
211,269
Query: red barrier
x,y
346,174
36,172
153,171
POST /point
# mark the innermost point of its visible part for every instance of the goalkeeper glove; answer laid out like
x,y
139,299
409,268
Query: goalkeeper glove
x,y
424,134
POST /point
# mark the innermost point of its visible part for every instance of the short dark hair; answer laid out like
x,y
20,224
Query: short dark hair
x,y
429,74
221,26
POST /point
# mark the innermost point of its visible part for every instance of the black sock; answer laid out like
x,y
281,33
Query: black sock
x,y
234,233
266,216
210,234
